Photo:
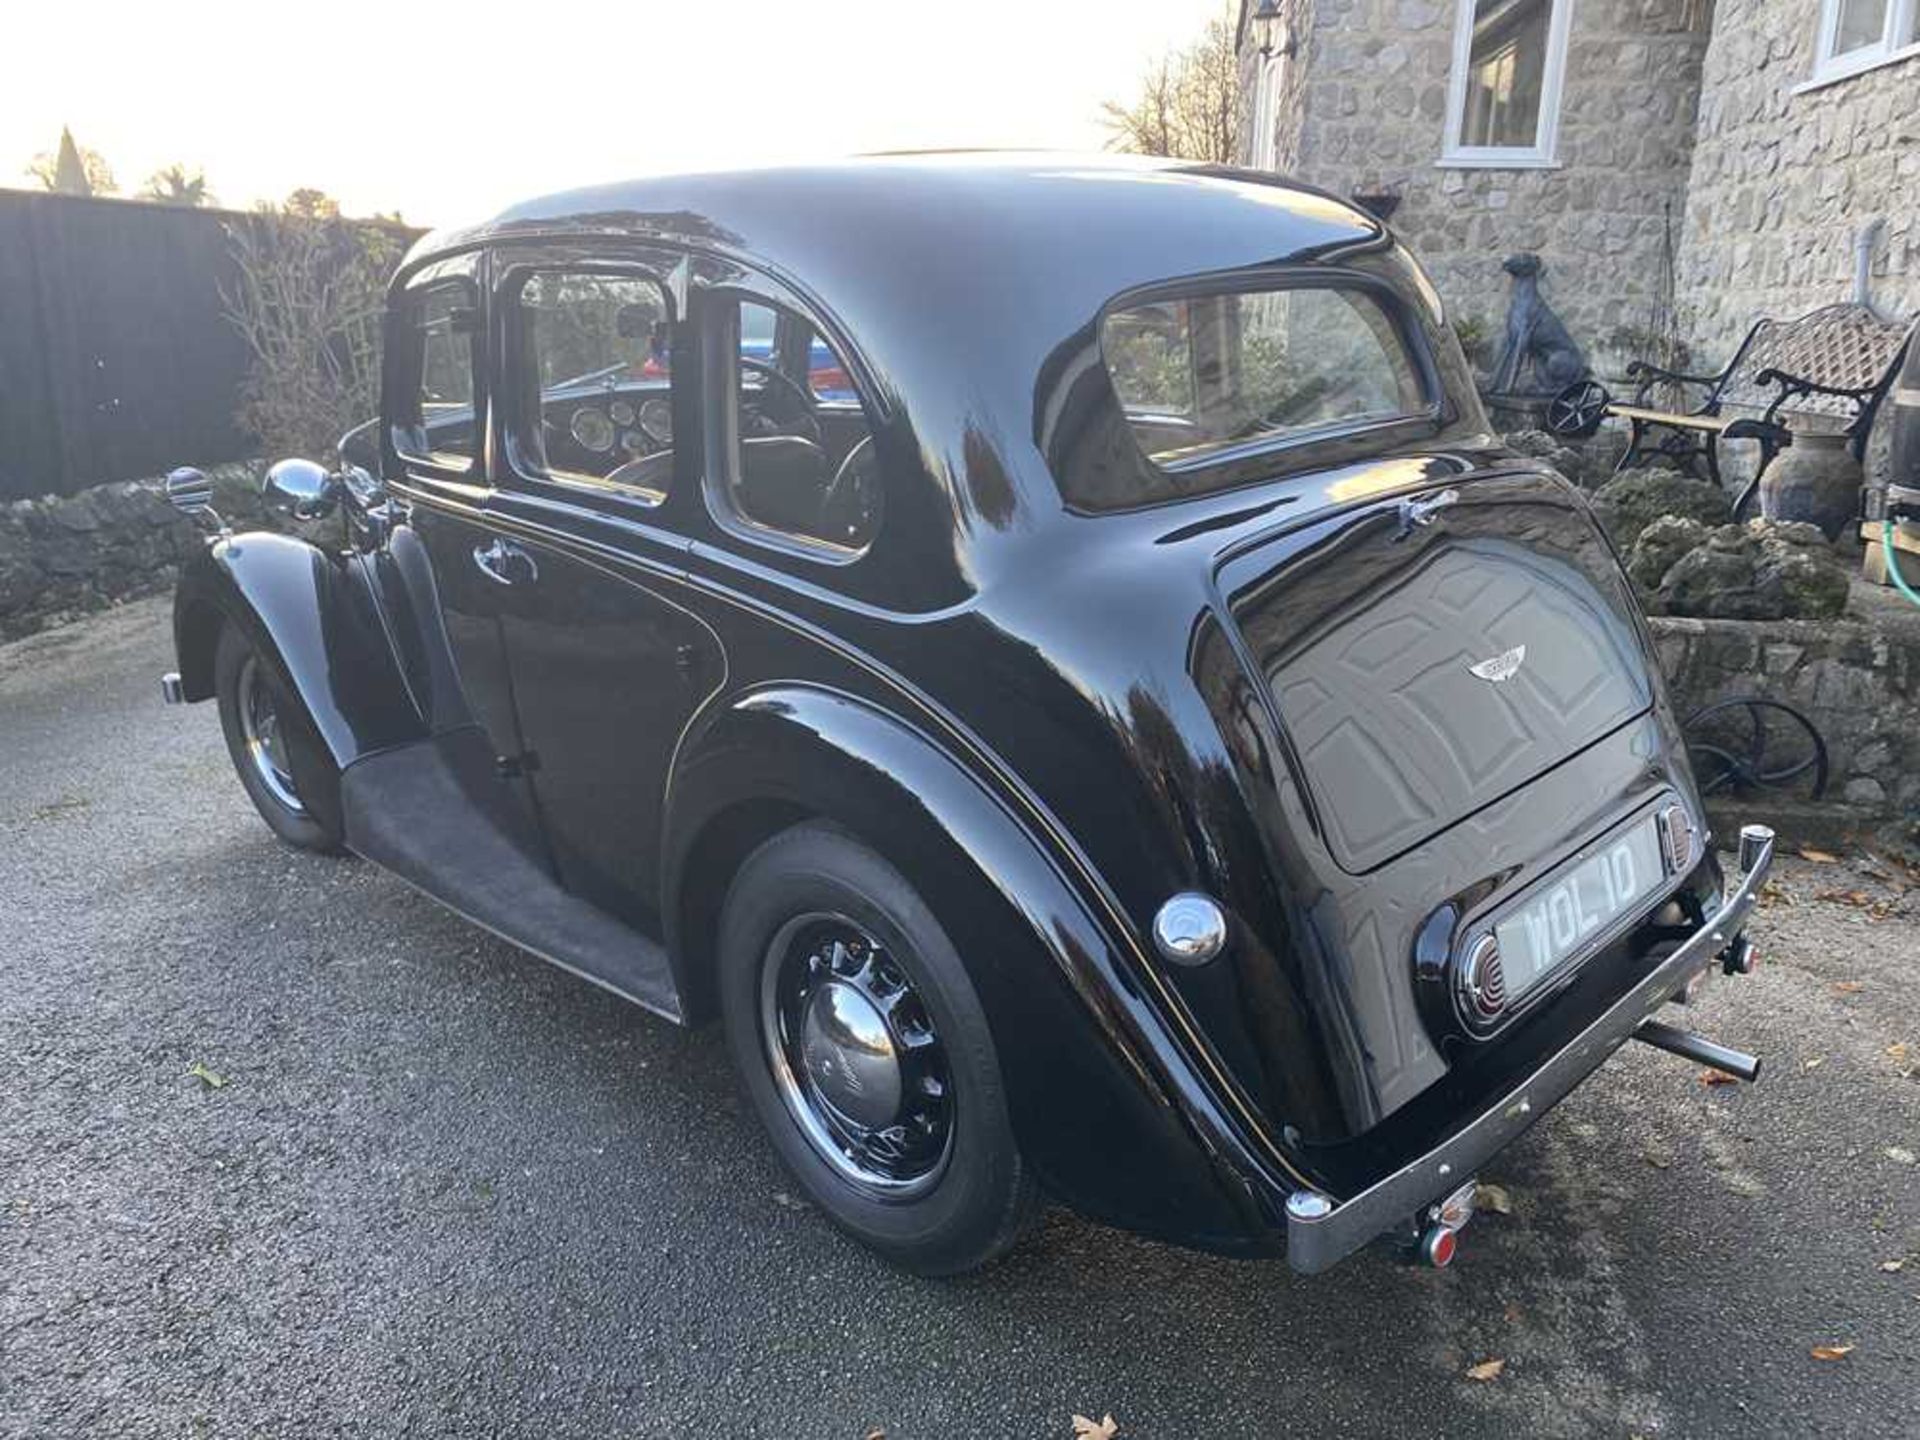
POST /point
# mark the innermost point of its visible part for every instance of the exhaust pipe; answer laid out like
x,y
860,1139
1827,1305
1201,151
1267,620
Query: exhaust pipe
x,y
1700,1050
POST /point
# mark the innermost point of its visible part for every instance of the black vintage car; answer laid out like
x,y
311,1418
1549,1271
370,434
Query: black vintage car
x,y
1131,734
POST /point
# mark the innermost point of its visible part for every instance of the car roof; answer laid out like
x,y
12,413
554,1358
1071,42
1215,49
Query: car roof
x,y
1118,220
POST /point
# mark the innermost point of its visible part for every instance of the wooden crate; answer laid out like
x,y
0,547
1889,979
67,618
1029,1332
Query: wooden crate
x,y
1906,540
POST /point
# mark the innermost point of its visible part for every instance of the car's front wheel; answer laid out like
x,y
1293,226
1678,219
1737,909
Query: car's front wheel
x,y
271,740
867,1055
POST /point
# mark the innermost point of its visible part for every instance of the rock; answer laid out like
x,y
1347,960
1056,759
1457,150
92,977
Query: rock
x,y
1865,790
1811,586
1714,583
1587,463
1659,548
1634,499
1764,570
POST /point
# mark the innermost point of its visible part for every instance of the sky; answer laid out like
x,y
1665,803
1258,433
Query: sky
x,y
447,112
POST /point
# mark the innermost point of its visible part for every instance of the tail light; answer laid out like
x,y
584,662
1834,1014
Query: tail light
x,y
1677,842
1484,980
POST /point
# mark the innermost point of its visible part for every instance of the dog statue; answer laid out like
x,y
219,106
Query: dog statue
x,y
1538,345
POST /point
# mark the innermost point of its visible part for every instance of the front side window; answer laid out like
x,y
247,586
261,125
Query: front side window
x,y
593,359
1857,35
436,419
797,457
1203,374
1504,96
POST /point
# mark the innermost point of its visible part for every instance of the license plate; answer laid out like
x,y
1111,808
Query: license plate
x,y
1579,906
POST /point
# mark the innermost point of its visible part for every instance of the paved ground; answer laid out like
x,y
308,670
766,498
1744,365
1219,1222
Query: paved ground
x,y
447,1190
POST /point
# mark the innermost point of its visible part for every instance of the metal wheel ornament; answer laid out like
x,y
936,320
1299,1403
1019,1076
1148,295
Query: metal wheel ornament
x,y
262,736
1749,743
855,1057
1576,412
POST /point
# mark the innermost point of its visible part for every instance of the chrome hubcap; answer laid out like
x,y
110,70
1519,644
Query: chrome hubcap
x,y
260,732
855,1057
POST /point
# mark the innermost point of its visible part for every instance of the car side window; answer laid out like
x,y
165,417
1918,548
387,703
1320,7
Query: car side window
x,y
591,364
435,422
796,460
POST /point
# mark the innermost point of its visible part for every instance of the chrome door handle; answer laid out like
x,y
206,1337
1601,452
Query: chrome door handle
x,y
505,563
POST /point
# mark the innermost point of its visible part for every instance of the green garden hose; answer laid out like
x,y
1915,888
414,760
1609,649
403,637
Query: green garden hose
x,y
1893,563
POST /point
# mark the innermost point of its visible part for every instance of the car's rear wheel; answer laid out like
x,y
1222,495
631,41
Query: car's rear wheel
x,y
867,1055
271,740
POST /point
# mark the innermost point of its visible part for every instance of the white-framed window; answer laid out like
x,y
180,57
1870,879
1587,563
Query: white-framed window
x,y
1503,97
1858,35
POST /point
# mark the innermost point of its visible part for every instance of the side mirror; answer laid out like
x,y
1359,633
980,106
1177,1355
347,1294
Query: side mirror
x,y
301,489
189,491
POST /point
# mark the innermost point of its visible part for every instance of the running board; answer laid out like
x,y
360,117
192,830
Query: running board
x,y
435,814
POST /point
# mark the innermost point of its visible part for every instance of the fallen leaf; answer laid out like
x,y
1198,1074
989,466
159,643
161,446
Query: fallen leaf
x,y
1101,1429
1900,1155
1716,1077
1892,1267
1818,857
1492,1197
213,1079
1847,987
1898,1050
1813,1064
1486,1370
1513,1311
875,1434
1832,1352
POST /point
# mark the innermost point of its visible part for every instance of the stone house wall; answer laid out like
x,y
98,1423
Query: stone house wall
x,y
1367,114
1782,182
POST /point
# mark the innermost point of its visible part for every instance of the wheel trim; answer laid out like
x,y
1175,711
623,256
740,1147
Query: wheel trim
x,y
855,1058
262,738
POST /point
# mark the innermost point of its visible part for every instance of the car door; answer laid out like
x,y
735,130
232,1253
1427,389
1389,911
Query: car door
x,y
448,620
605,661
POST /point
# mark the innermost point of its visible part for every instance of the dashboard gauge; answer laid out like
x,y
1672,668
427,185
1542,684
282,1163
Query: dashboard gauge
x,y
621,412
634,443
592,429
656,418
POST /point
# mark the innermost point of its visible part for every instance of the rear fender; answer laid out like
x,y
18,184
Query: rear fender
x,y
315,618
1103,1103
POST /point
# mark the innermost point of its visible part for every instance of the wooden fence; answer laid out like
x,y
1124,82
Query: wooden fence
x,y
116,359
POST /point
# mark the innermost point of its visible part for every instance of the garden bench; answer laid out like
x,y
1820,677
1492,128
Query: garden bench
x,y
1826,370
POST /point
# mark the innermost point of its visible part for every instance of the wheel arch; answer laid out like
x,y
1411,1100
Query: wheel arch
x,y
316,620
1103,1105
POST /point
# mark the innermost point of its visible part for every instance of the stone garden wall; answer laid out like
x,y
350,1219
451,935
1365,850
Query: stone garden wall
x,y
1857,679
1362,110
65,555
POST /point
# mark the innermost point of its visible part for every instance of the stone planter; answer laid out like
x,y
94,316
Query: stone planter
x,y
1815,479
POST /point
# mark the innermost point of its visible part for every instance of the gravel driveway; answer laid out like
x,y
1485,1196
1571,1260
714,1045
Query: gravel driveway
x,y
447,1190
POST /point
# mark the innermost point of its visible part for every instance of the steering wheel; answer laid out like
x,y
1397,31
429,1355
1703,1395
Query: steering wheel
x,y
796,402
852,499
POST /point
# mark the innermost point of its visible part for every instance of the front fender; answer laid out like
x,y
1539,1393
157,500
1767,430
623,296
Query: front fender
x,y
1104,1103
315,617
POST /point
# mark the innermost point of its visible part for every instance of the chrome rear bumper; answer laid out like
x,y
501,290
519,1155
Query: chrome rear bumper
x,y
1322,1231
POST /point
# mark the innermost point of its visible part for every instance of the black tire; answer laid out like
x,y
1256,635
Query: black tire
x,y
307,815
973,1204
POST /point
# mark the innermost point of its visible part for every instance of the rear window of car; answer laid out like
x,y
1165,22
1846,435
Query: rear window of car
x,y
1201,376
